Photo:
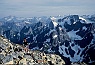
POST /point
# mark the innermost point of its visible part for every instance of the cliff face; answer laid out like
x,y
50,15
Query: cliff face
x,y
15,54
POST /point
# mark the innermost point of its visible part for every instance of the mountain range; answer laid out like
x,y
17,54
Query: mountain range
x,y
72,37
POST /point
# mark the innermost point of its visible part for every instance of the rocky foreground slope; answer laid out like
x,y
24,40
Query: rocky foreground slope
x,y
15,54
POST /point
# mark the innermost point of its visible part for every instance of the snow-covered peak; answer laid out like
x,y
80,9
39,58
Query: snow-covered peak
x,y
53,18
55,23
27,22
82,19
9,18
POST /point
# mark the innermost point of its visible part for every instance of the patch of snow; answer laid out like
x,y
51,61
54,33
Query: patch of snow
x,y
27,22
18,34
91,61
51,31
29,32
75,48
68,21
9,19
49,50
81,21
62,51
55,36
74,22
53,18
73,36
82,18
39,18
35,48
45,25
62,24
93,37
86,21
60,28
34,38
47,40
14,35
9,27
27,37
84,28
76,57
55,24
17,24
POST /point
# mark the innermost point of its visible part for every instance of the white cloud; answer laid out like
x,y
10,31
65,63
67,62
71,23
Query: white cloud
x,y
45,7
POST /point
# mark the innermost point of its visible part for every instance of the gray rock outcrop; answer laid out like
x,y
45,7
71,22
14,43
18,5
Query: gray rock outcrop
x,y
15,54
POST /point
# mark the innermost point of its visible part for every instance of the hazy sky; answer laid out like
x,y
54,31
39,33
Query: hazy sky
x,y
30,8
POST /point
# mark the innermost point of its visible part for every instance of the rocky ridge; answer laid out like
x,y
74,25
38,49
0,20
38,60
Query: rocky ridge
x,y
15,54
